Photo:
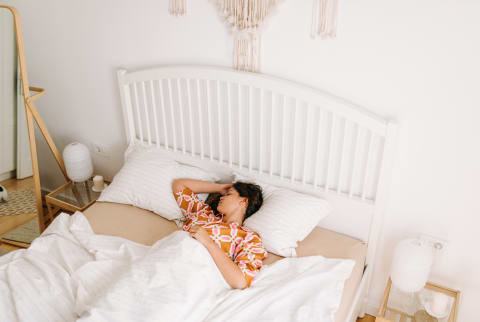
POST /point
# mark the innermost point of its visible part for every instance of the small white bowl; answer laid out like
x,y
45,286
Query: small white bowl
x,y
104,186
441,316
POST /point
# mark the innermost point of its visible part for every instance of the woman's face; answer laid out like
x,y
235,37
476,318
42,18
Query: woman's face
x,y
231,202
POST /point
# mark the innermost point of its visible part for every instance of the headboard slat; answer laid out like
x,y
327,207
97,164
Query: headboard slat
x,y
272,137
155,118
209,114
368,166
229,102
331,151
219,124
250,125
137,110
240,126
307,143
190,112
284,131
147,114
180,109
343,153
261,146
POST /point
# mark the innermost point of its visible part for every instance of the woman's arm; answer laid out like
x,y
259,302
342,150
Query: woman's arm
x,y
230,271
199,186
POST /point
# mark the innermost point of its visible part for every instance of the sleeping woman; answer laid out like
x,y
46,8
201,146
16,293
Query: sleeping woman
x,y
237,251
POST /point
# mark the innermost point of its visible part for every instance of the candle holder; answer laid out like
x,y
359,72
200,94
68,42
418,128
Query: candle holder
x,y
98,184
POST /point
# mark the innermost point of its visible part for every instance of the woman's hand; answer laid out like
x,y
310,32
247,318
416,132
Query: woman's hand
x,y
224,188
200,234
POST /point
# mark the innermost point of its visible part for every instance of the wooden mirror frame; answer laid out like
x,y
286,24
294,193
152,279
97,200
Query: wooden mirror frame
x,y
31,115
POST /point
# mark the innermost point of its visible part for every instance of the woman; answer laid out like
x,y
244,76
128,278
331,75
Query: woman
x,y
223,234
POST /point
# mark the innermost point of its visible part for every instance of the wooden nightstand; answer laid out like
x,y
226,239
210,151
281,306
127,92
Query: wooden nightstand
x,y
391,308
70,197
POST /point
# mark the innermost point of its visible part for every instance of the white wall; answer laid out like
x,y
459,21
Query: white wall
x,y
8,100
415,61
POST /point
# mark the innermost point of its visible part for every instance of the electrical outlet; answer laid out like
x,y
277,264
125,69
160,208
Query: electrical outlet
x,y
435,242
99,149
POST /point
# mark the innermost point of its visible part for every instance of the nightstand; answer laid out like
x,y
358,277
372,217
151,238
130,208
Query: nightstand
x,y
70,197
398,306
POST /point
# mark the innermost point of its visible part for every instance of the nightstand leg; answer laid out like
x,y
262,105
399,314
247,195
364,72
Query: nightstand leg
x,y
87,190
50,212
77,194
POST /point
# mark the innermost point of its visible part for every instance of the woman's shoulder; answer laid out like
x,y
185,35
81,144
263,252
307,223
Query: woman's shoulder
x,y
250,233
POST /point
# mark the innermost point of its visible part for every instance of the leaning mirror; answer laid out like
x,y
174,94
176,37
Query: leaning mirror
x,y
18,209
22,216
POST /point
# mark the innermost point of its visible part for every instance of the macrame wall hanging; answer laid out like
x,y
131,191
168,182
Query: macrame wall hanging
x,y
324,18
245,19
177,7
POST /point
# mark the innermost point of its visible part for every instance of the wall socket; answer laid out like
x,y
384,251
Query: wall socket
x,y
99,149
435,242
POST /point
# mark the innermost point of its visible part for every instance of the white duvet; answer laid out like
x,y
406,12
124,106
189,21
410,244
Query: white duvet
x,y
69,273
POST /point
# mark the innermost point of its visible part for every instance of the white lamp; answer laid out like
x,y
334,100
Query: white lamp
x,y
78,162
411,265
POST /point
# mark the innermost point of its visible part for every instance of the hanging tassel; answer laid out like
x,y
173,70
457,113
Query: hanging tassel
x,y
324,18
178,7
246,54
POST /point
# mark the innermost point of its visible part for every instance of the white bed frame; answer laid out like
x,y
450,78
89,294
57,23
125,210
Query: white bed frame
x,y
272,129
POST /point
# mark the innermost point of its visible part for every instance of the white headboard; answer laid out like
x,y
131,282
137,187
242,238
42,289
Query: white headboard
x,y
269,128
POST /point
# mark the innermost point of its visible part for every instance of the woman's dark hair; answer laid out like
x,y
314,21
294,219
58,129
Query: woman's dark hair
x,y
253,193
212,200
248,190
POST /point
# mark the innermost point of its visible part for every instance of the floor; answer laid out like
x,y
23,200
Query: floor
x,y
367,318
8,223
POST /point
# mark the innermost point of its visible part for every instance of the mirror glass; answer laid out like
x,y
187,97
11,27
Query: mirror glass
x,y
18,212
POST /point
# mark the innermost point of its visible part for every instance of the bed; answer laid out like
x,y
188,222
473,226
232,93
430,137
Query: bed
x,y
116,220
267,128
284,133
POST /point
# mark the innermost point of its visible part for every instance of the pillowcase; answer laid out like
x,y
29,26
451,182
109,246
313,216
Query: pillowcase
x,y
285,217
145,181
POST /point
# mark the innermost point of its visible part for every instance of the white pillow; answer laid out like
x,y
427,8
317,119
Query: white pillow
x,y
145,181
285,217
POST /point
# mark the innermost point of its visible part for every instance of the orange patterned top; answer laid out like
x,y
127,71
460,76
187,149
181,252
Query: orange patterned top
x,y
242,245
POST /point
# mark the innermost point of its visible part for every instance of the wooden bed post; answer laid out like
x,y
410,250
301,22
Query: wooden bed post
x,y
32,114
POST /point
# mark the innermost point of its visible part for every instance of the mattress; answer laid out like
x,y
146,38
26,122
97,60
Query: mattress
x,y
146,228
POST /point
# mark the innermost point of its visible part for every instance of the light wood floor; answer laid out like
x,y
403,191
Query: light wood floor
x,y
367,318
8,223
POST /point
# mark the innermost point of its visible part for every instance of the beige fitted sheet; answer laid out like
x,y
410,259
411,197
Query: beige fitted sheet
x,y
146,228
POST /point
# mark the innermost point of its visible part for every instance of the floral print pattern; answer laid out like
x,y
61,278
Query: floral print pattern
x,y
242,245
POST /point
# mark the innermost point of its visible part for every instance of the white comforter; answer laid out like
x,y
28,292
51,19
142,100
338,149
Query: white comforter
x,y
69,274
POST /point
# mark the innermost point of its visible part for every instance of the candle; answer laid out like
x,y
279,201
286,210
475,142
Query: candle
x,y
98,183
439,304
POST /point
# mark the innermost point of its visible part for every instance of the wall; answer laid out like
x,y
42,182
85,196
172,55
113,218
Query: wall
x,y
7,97
415,61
